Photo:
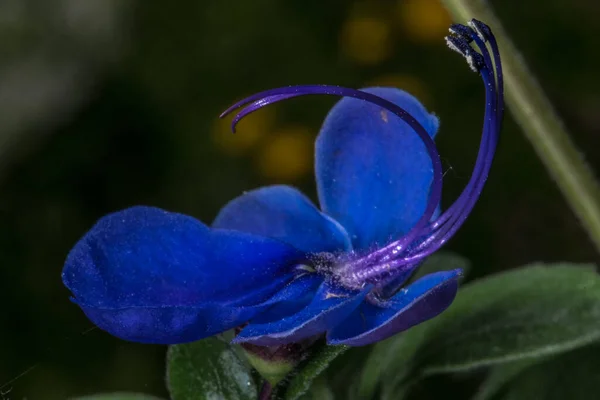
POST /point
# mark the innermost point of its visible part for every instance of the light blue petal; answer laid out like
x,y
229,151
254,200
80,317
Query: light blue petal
x,y
161,276
330,306
373,171
282,212
422,300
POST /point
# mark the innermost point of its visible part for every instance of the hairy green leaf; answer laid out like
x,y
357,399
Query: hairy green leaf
x,y
573,375
208,369
501,374
534,311
308,371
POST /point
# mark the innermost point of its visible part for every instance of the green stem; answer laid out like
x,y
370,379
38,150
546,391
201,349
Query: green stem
x,y
534,113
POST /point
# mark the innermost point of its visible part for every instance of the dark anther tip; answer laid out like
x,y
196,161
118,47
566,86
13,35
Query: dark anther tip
x,y
483,31
462,31
461,46
458,44
475,60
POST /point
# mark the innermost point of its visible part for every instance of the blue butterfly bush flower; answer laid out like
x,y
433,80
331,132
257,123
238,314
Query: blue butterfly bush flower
x,y
277,266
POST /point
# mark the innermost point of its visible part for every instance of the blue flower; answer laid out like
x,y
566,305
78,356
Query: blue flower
x,y
277,265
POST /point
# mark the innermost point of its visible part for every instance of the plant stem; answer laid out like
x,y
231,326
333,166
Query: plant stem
x,y
540,123
266,391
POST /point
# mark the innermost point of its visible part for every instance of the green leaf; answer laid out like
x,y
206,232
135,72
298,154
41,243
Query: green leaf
x,y
574,376
529,312
501,374
311,369
379,361
208,369
118,396
319,390
349,364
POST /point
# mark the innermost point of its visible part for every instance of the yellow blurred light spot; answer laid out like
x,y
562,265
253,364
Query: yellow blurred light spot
x,y
287,155
367,40
249,131
408,83
424,20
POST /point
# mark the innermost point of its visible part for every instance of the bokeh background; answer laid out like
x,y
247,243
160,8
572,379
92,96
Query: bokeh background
x,y
106,104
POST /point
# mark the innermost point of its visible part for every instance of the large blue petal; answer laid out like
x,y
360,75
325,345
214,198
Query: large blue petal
x,y
373,171
422,300
282,212
171,324
330,306
291,299
179,324
149,275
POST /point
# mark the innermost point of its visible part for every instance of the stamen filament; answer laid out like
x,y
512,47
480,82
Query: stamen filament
x,y
483,155
262,99
444,227
454,215
392,269
446,230
447,225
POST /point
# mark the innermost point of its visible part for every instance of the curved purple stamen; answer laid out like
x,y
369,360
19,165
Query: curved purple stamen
x,y
482,156
480,163
443,228
449,222
394,250
267,97
254,106
481,169
499,76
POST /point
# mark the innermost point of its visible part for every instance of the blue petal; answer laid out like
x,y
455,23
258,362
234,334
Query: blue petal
x,y
282,212
291,299
149,275
422,300
330,306
171,324
373,171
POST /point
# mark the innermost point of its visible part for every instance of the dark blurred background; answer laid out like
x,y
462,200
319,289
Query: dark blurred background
x,y
106,104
